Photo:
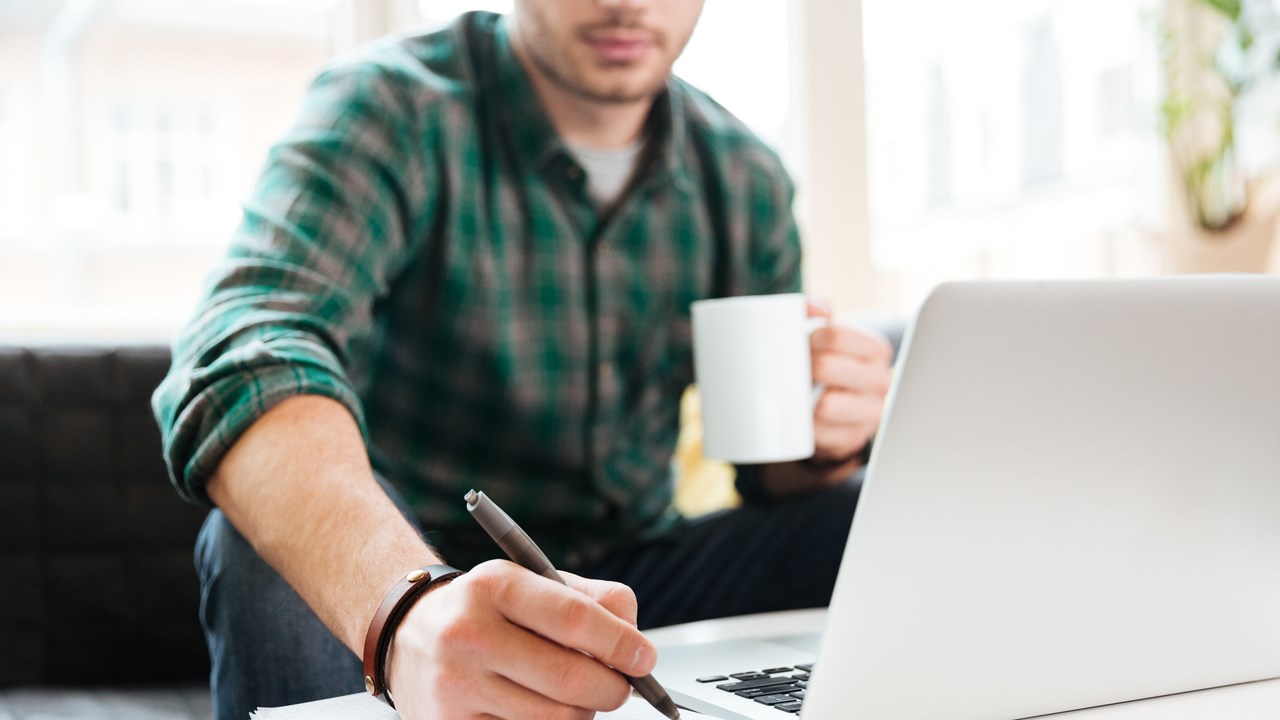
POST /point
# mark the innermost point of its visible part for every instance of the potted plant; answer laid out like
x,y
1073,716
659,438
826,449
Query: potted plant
x,y
1211,57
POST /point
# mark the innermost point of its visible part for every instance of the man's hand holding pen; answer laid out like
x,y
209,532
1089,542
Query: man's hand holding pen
x,y
503,642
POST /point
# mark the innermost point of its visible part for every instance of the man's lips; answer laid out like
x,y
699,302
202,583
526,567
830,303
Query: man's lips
x,y
619,47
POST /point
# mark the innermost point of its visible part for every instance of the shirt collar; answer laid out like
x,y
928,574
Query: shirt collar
x,y
668,126
535,139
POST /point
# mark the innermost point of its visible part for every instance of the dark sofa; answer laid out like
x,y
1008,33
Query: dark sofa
x,y
98,595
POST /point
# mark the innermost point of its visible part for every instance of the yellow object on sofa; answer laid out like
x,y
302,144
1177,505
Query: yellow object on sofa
x,y
702,485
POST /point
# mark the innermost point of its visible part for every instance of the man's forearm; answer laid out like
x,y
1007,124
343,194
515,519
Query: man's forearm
x,y
299,487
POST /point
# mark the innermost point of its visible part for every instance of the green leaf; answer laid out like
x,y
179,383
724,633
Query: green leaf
x,y
1230,8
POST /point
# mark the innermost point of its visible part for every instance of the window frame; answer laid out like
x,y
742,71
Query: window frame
x,y
15,214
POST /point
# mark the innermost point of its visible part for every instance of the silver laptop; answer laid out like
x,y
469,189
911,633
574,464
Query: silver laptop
x,y
1074,501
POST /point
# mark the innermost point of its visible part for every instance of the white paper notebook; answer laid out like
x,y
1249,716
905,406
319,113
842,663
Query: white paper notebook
x,y
363,706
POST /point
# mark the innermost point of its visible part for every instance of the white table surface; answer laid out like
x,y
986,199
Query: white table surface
x,y
789,622
1251,701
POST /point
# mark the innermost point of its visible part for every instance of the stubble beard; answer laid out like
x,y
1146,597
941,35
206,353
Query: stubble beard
x,y
558,67
581,89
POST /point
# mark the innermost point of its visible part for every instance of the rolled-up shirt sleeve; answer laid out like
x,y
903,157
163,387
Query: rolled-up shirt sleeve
x,y
290,308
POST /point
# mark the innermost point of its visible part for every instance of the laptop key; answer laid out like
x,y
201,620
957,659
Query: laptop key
x,y
799,694
747,675
757,692
791,707
757,683
807,667
712,678
775,671
772,699
802,684
800,676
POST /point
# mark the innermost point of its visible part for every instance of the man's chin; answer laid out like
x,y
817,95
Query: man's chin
x,y
616,93
619,98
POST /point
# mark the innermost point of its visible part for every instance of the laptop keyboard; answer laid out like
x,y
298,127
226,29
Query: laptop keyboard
x,y
781,688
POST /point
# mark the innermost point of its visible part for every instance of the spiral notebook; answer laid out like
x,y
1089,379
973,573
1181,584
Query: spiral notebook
x,y
363,706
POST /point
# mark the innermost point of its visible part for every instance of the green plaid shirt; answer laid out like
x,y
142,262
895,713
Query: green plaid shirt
x,y
421,248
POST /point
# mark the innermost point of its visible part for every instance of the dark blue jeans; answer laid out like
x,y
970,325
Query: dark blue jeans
x,y
269,649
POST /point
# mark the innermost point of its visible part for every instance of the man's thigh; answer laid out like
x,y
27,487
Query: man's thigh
x,y
266,647
756,558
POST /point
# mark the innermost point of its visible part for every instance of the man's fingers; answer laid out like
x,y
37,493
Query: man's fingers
x,y
563,675
847,372
834,442
843,409
851,341
817,307
572,619
462,640
844,423
511,700
615,597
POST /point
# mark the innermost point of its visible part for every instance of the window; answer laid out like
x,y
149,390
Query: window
x,y
148,124
441,12
1009,138
12,201
167,169
740,55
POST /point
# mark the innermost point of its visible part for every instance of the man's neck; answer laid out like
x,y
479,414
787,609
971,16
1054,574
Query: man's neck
x,y
579,120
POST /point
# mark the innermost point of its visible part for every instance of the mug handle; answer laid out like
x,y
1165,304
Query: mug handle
x,y
811,325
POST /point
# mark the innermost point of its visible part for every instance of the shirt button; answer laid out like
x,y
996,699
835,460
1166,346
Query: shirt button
x,y
605,369
573,172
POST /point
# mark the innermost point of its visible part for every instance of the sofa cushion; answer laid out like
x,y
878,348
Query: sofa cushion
x,y
96,576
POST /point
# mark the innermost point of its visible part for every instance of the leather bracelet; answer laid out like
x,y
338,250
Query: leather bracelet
x,y
377,642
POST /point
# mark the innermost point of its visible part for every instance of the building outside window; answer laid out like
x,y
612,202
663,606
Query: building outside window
x,y
168,171
143,125
1011,138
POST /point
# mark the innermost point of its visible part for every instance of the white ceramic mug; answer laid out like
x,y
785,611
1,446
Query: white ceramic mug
x,y
752,362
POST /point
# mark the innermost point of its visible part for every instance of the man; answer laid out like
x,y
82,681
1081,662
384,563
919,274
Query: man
x,y
470,264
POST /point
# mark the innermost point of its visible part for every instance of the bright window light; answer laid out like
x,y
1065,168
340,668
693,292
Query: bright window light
x,y
1009,137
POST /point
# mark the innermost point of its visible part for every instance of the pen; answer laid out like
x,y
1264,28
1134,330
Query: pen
x,y
520,548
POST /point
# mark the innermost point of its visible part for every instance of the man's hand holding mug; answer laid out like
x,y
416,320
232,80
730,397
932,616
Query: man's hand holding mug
x,y
782,382
853,365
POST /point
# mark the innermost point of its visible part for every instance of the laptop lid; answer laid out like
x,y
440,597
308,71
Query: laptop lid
x,y
1074,501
